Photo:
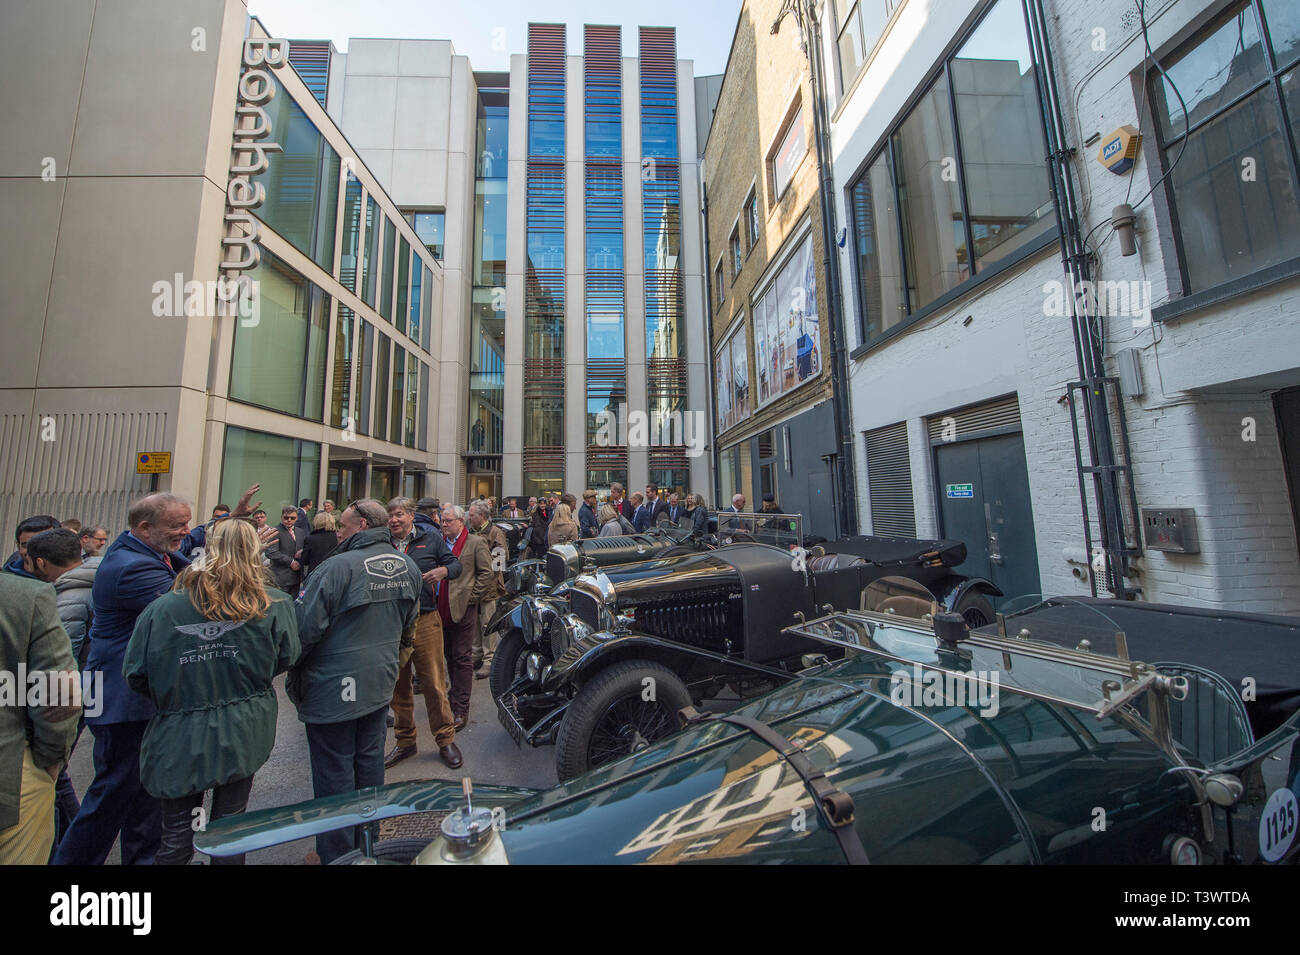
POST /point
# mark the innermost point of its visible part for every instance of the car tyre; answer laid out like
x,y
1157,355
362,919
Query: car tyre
x,y
387,852
508,663
609,708
975,609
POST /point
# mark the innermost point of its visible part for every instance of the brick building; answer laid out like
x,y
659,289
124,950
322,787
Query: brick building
x,y
961,349
768,295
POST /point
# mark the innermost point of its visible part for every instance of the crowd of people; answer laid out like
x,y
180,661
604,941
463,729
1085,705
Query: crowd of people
x,y
187,627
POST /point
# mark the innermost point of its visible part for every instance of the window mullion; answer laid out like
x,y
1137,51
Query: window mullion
x,y
1288,133
891,162
961,169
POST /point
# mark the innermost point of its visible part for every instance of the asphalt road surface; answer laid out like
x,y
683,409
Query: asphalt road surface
x,y
490,757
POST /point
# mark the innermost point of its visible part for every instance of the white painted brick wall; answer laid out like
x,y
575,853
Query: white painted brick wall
x,y
1187,444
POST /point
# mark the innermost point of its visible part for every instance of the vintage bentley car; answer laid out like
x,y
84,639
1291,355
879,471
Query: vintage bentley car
x,y
601,667
924,743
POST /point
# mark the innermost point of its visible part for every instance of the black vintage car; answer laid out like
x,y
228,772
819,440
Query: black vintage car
x,y
924,743
601,665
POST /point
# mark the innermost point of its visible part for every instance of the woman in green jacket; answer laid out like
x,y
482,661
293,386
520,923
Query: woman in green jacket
x,y
206,654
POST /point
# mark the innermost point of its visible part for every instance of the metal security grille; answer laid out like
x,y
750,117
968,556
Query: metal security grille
x,y
961,423
889,479
311,61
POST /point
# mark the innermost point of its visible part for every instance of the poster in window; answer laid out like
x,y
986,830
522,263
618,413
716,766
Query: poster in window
x,y
740,375
790,326
722,389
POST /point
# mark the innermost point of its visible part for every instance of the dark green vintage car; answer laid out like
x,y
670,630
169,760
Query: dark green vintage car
x,y
925,743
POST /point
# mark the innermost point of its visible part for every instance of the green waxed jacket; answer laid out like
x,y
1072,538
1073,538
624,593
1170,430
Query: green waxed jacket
x,y
211,681
351,618
31,641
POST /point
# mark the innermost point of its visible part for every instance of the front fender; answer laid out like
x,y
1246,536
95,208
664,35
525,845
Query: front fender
x,y
589,654
951,589
250,831
508,616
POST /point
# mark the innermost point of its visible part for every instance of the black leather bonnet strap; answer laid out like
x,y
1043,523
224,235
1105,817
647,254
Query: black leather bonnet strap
x,y
834,805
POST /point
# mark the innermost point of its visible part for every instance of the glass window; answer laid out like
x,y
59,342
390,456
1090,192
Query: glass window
x,y
412,385
417,280
367,375
1211,74
287,469
1001,137
751,219
880,268
370,254
342,411
279,363
486,374
717,280
934,235
397,404
543,422
861,25
793,146
1283,17
383,358
390,255
737,254
301,181
1230,224
731,367
401,295
915,181
789,350
351,233
422,432
489,232
426,308
429,227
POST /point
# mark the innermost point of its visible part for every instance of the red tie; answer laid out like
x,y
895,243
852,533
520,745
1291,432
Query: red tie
x,y
167,559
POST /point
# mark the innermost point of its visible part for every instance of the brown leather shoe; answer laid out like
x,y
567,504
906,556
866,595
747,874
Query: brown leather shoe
x,y
451,755
397,754
461,721
483,672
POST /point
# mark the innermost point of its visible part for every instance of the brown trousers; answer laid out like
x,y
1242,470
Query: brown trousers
x,y
427,659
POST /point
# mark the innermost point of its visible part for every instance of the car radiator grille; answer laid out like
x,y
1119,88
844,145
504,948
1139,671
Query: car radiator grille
x,y
556,569
709,620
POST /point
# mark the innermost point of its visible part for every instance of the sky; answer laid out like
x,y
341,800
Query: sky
x,y
489,31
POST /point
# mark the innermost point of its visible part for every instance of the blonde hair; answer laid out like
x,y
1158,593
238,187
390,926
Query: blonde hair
x,y
562,514
606,514
324,521
228,582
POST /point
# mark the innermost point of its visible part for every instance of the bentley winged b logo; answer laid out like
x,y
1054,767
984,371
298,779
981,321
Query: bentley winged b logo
x,y
209,629
386,567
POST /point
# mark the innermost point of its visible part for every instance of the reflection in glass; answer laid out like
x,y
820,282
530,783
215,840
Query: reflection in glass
x,y
287,469
1221,67
370,253
279,363
1231,228
351,232
1001,137
301,181
875,234
429,227
386,291
933,232
341,392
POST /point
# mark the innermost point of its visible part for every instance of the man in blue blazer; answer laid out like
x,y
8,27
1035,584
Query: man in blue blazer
x,y
136,569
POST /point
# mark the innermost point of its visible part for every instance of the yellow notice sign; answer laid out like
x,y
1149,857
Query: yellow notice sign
x,y
153,462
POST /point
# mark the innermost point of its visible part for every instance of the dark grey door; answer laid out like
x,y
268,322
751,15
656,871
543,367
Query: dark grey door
x,y
984,503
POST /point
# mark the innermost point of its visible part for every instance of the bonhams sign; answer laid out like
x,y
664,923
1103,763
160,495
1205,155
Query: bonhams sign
x,y
249,149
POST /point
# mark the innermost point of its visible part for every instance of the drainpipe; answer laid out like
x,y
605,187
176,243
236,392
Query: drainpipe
x,y
1076,262
708,334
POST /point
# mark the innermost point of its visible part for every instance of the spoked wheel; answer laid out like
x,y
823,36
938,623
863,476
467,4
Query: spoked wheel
x,y
975,609
620,712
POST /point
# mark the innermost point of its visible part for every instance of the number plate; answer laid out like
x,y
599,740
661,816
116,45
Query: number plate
x,y
506,713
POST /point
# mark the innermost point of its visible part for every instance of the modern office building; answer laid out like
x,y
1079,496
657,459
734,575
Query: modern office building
x,y
565,195
153,157
769,294
965,385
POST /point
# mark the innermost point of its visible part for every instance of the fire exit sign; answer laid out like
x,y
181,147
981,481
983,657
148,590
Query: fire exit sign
x,y
961,490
